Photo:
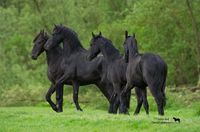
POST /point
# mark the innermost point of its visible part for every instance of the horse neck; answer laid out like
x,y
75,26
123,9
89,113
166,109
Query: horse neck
x,y
53,55
109,52
133,51
71,47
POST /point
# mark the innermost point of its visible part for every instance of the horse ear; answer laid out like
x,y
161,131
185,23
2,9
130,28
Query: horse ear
x,y
93,35
100,34
126,34
134,35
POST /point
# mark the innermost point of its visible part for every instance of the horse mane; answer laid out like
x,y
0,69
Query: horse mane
x,y
109,47
72,37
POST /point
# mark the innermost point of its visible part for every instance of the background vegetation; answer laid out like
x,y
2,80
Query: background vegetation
x,y
165,27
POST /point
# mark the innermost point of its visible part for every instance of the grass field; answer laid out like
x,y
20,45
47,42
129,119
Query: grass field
x,y
183,104
44,119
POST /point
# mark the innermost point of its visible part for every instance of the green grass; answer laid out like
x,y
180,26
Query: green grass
x,y
92,120
183,104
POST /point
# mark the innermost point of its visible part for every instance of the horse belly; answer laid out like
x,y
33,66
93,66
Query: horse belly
x,y
137,79
87,76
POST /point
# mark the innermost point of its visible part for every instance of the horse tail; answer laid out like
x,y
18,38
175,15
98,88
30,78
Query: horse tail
x,y
164,83
163,92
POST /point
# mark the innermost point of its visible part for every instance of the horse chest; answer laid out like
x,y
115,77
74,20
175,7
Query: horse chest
x,y
114,73
134,74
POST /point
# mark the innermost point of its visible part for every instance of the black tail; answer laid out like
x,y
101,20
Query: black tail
x,y
164,84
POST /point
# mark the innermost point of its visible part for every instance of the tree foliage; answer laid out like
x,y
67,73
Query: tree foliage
x,y
164,27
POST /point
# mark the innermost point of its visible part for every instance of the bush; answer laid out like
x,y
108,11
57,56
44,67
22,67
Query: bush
x,y
18,96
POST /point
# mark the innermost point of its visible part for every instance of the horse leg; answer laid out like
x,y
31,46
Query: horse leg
x,y
128,97
59,98
124,92
112,101
61,80
122,107
127,89
158,96
48,97
145,102
75,95
138,93
116,104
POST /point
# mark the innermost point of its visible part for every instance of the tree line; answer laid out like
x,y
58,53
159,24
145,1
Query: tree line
x,y
165,27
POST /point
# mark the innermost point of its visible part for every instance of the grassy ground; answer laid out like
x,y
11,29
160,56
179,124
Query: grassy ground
x,y
44,119
184,104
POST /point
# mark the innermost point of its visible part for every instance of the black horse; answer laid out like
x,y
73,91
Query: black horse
x,y
145,70
54,60
77,68
116,70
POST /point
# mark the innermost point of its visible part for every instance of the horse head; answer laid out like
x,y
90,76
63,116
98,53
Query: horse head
x,y
39,42
130,45
56,39
94,46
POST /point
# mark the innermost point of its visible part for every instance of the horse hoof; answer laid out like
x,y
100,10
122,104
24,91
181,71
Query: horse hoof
x,y
55,108
59,111
79,109
112,112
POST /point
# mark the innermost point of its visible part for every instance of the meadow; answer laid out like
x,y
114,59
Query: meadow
x,y
95,118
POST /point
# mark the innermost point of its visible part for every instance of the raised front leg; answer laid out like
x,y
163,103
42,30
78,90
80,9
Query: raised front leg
x,y
48,97
75,94
59,98
63,78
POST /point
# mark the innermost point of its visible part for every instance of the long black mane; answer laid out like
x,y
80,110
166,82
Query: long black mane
x,y
111,52
72,39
